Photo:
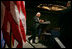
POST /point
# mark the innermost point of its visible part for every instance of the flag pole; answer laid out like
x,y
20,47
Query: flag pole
x,y
11,41
11,44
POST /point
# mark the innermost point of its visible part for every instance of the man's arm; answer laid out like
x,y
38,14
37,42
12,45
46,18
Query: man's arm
x,y
35,20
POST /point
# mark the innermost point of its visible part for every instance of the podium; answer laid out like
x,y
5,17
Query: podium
x,y
44,26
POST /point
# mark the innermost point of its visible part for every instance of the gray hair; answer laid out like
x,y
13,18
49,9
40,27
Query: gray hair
x,y
38,13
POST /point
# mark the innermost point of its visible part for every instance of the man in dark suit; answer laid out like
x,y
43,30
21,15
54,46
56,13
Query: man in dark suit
x,y
36,23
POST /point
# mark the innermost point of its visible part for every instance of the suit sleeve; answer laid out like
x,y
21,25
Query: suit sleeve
x,y
35,20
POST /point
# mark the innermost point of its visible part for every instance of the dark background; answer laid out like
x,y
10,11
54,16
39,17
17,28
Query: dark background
x,y
60,19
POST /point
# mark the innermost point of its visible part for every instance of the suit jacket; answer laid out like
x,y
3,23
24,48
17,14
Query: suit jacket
x,y
35,22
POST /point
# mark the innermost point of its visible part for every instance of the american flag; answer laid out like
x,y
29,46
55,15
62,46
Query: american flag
x,y
13,17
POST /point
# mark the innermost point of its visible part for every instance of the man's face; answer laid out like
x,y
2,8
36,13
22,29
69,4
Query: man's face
x,y
38,15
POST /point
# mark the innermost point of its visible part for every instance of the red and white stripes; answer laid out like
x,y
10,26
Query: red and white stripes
x,y
15,16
